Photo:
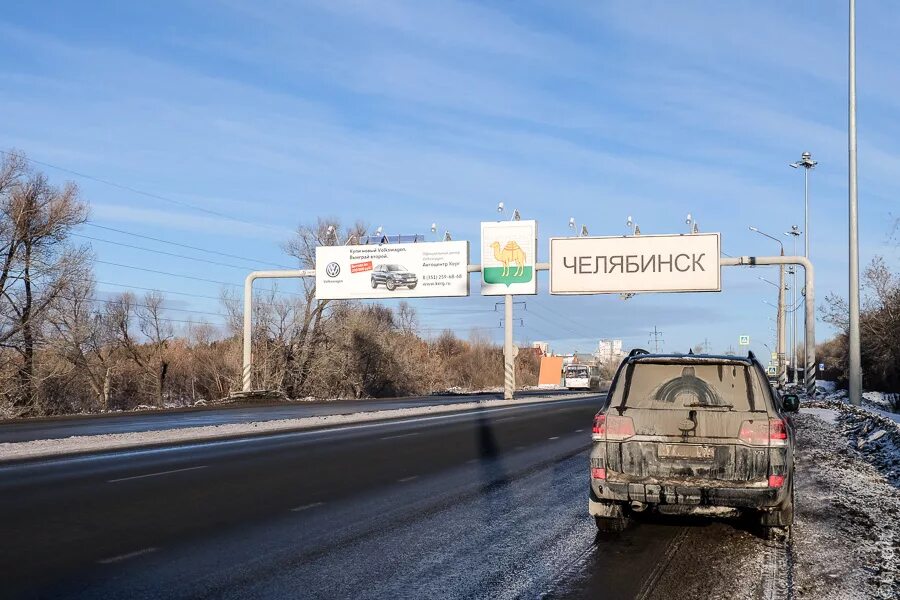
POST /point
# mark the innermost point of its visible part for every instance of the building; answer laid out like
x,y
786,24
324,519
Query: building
x,y
543,346
610,350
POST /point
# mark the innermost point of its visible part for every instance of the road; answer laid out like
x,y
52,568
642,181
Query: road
x,y
489,503
60,427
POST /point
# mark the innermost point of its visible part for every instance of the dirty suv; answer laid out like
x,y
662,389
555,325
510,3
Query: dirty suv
x,y
692,434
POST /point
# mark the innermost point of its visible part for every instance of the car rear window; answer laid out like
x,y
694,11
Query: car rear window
x,y
670,385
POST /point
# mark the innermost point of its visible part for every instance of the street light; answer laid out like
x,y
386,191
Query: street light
x,y
807,163
855,375
781,313
634,227
691,222
584,229
794,233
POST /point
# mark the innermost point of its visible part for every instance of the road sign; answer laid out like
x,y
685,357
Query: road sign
x,y
628,264
821,366
744,340
426,269
508,257
774,357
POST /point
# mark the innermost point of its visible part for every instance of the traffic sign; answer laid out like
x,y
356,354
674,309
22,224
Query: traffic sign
x,y
629,264
744,340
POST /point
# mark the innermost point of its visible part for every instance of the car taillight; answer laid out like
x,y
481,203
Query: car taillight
x,y
772,432
611,427
777,433
599,473
776,481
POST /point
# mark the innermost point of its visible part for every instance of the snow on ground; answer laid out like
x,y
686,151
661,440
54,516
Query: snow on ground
x,y
120,441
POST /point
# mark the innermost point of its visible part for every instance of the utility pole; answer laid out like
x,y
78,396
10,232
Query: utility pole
x,y
794,233
655,339
855,362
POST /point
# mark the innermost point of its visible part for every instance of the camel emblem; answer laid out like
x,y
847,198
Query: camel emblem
x,y
511,253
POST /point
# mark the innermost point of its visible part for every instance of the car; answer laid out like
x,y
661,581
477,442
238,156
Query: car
x,y
682,434
393,276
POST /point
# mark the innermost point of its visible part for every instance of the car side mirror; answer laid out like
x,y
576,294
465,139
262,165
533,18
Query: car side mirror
x,y
791,402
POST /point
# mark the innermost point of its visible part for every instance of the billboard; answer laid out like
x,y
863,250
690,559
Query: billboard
x,y
418,270
508,257
627,264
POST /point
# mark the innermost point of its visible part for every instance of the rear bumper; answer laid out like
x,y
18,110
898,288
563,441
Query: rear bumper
x,y
759,498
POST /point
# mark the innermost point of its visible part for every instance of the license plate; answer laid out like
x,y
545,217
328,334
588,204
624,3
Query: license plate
x,y
686,451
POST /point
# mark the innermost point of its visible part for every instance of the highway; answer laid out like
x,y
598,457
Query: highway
x,y
489,503
59,427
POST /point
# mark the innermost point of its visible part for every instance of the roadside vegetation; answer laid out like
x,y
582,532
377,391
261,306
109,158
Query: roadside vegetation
x,y
67,348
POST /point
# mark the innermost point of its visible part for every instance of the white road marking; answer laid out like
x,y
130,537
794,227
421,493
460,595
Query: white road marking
x,y
156,474
393,437
555,437
307,506
405,479
121,557
579,430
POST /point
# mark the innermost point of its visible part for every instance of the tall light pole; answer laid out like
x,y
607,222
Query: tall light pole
x,y
794,233
855,363
807,163
780,334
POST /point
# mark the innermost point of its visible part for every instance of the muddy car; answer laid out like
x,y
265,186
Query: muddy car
x,y
692,434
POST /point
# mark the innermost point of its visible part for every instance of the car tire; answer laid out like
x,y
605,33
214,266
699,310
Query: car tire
x,y
390,285
777,524
612,524
374,284
412,286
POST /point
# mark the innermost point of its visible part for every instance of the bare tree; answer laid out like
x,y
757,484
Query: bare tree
x,y
38,263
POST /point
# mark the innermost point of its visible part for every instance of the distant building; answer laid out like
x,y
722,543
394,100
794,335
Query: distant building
x,y
543,346
609,350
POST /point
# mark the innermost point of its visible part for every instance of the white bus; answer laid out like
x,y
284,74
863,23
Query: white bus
x,y
581,377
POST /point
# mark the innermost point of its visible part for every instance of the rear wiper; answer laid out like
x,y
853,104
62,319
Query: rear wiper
x,y
704,405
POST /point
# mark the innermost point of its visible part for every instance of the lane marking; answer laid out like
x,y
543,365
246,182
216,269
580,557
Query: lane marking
x,y
402,435
155,474
121,557
579,430
405,479
555,437
307,506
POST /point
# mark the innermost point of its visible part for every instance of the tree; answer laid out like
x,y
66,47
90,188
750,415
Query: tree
x,y
38,263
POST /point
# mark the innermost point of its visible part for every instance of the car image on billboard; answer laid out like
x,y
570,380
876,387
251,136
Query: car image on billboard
x,y
393,276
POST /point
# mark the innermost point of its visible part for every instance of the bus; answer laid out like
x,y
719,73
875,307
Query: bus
x,y
581,377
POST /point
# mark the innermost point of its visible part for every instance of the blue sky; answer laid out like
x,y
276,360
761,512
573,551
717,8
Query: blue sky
x,y
406,113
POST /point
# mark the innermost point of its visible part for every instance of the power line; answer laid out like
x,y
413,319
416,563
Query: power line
x,y
140,192
163,252
188,246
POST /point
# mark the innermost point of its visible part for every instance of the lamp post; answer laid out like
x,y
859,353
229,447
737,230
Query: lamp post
x,y
780,332
794,233
855,364
807,163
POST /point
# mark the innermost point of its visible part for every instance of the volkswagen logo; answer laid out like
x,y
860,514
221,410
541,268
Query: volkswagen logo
x,y
333,269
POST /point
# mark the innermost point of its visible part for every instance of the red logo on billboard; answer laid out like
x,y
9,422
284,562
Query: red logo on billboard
x,y
361,267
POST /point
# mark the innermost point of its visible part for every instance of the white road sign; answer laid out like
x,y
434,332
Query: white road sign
x,y
392,270
627,264
508,257
744,340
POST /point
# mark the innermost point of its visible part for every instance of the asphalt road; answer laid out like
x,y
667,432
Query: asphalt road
x,y
490,503
60,427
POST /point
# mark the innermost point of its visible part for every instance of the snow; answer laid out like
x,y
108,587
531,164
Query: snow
x,y
120,441
826,414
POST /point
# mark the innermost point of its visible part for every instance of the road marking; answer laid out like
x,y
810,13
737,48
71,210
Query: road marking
x,y
307,506
405,479
155,474
394,437
579,430
555,437
121,557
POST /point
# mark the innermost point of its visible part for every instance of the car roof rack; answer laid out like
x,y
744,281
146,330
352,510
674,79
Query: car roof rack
x,y
637,351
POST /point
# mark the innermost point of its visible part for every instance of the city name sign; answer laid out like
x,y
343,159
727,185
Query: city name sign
x,y
426,269
645,263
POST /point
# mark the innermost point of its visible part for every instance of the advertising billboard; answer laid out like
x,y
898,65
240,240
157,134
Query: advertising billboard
x,y
420,270
628,264
508,257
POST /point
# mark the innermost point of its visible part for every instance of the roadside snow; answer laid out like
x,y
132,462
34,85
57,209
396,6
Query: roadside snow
x,y
120,441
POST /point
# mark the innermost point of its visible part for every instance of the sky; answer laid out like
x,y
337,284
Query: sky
x,y
226,125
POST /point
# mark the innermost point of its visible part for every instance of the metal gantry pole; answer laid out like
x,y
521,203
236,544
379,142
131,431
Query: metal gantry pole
x,y
855,375
782,370
509,358
810,350
247,366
